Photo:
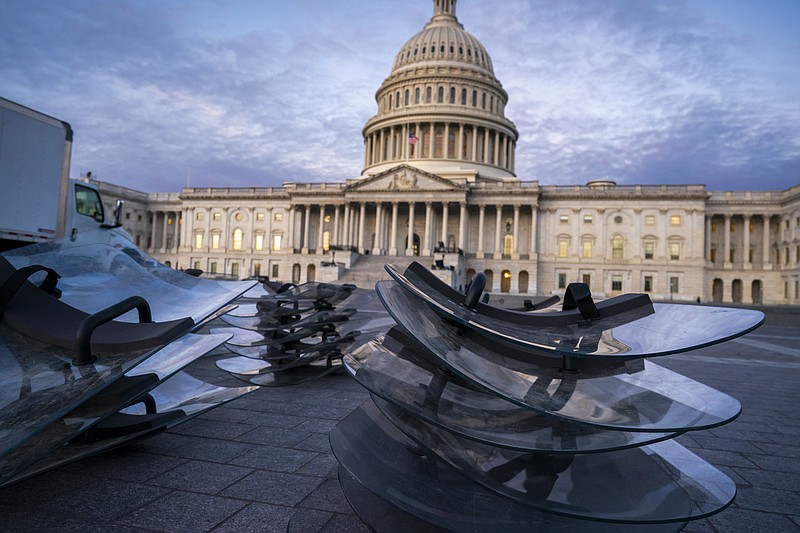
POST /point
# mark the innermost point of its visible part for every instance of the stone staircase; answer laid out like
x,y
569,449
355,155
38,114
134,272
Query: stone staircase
x,y
369,269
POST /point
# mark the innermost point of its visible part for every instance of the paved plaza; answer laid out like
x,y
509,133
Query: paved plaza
x,y
263,462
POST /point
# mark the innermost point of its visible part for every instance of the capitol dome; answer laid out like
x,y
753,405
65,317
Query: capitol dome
x,y
441,109
443,40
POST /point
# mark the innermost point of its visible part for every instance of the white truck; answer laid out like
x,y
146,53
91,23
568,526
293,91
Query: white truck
x,y
38,200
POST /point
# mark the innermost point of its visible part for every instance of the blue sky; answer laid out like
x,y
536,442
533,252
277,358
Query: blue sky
x,y
254,93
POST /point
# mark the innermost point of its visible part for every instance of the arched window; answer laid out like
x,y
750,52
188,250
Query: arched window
x,y
326,240
416,95
439,141
238,235
407,97
428,95
440,95
508,244
617,247
474,98
277,241
452,95
464,96
505,281
397,99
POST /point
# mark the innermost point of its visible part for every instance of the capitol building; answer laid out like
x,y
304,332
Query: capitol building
x,y
439,186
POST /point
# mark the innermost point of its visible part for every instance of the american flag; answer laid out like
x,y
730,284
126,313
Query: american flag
x,y
412,139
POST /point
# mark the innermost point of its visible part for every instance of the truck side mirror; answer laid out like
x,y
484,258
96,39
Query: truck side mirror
x,y
118,213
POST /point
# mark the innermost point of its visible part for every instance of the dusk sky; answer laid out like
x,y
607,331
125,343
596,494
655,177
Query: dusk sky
x,y
254,93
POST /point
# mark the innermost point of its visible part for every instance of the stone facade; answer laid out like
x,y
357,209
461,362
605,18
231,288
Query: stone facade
x,y
438,183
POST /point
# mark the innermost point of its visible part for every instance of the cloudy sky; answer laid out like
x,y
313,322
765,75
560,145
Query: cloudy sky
x,y
242,93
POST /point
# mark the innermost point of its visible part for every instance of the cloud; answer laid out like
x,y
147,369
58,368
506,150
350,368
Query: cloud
x,y
247,94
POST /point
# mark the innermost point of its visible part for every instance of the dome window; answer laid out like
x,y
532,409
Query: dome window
x,y
407,97
440,95
416,95
428,95
441,49
424,49
461,50
469,52
452,95
464,96
415,52
474,98
451,48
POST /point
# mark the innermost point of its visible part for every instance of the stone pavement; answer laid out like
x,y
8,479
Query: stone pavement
x,y
263,462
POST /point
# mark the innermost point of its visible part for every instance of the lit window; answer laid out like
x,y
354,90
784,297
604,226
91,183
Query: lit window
x,y
617,247
198,240
169,221
327,218
239,217
259,242
259,216
276,242
217,216
278,217
215,241
650,220
587,219
733,226
674,250
713,227
587,249
649,250
237,239
648,283
326,240
616,282
564,219
508,244
562,248
675,220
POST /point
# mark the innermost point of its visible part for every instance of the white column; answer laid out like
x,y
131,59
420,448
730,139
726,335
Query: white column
x,y
708,238
445,214
361,217
462,226
336,225
290,239
515,244
474,144
765,250
460,143
746,243
163,246
446,147
534,218
726,258
481,219
498,247
426,248
306,226
393,235
376,250
346,226
321,228
410,241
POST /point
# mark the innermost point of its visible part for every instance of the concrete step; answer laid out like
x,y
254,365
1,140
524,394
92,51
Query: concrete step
x,y
369,269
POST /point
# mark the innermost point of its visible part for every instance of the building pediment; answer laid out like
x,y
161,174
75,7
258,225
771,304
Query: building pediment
x,y
404,178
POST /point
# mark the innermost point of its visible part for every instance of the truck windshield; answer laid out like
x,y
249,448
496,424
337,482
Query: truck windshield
x,y
87,202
